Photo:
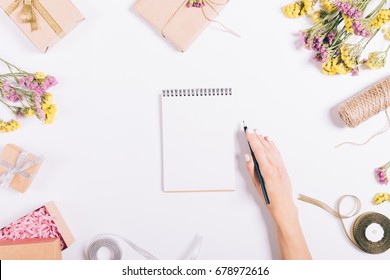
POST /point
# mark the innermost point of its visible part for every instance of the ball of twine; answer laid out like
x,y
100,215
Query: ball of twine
x,y
365,105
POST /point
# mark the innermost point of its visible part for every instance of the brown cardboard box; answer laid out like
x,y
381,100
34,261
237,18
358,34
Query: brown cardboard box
x,y
33,223
31,249
180,24
8,159
54,19
60,222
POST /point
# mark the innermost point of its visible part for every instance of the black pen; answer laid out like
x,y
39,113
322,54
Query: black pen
x,y
257,168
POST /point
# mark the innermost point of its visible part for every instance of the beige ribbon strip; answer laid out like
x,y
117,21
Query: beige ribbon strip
x,y
28,15
358,235
336,213
208,3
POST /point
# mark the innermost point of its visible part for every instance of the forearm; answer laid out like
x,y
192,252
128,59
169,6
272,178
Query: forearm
x,y
292,241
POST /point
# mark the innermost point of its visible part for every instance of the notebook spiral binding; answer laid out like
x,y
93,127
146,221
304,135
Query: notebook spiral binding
x,y
197,92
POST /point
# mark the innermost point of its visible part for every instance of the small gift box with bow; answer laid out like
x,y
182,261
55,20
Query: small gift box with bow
x,y
18,167
31,249
180,21
44,222
44,22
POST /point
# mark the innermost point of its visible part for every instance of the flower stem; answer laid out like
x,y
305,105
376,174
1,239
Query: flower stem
x,y
377,9
387,50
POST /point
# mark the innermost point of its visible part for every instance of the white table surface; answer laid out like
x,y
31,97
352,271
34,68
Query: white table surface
x,y
103,157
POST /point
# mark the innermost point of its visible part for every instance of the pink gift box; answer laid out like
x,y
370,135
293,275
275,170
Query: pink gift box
x,y
53,19
177,22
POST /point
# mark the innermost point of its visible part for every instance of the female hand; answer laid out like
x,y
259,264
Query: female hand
x,y
276,179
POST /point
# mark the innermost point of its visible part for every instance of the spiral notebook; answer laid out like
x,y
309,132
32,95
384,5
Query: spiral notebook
x,y
198,140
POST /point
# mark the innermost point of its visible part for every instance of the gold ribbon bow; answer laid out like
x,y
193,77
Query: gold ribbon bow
x,y
27,15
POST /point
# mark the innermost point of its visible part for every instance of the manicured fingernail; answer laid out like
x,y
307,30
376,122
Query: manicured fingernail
x,y
258,132
247,158
250,131
267,138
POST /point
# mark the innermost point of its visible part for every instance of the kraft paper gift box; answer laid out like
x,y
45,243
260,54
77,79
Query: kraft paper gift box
x,y
180,24
44,222
53,19
31,249
18,167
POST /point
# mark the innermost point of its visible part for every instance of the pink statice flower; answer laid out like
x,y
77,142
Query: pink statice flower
x,y
330,37
360,30
355,71
381,174
196,3
26,81
13,96
348,10
48,82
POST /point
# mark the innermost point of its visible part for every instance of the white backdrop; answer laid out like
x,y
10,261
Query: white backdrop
x,y
103,153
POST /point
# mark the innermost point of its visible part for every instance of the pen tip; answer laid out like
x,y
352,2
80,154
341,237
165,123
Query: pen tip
x,y
243,123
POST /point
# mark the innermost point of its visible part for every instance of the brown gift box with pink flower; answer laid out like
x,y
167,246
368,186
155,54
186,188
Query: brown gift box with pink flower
x,y
43,223
18,167
180,21
44,22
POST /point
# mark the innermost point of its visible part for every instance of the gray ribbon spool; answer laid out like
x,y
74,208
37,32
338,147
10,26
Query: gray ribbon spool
x,y
108,243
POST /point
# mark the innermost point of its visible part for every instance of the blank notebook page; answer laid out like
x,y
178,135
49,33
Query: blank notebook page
x,y
198,140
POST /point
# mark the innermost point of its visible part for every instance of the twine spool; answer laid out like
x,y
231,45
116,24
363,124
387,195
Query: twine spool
x,y
365,105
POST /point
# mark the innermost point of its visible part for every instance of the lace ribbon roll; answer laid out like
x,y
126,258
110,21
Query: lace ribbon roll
x,y
365,105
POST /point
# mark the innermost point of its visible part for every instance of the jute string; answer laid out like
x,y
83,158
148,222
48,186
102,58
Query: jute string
x,y
365,105
358,236
211,3
208,3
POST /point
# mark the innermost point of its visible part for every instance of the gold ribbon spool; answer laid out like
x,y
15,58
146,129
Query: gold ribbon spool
x,y
27,15
358,236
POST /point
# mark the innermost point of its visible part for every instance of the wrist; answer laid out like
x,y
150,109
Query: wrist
x,y
286,219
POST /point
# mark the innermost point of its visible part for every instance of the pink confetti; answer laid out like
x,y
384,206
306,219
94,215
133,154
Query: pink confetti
x,y
38,224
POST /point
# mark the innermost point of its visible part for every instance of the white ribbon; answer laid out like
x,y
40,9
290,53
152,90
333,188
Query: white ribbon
x,y
109,241
21,165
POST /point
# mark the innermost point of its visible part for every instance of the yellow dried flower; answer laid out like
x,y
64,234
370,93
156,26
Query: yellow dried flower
x,y
328,67
347,56
39,76
381,197
327,5
376,60
8,126
336,65
380,19
348,24
50,113
28,112
386,33
47,98
299,8
342,69
318,16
